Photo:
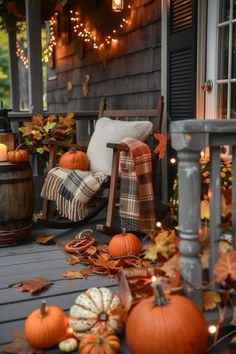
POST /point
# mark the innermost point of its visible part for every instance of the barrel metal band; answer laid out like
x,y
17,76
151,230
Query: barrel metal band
x,y
14,167
12,181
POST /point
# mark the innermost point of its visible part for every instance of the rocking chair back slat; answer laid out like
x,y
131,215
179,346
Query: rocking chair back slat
x,y
154,115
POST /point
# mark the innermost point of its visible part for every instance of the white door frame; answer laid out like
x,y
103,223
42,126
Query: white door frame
x,y
201,58
211,59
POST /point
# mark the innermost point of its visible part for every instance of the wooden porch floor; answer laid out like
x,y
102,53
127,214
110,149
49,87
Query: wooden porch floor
x,y
29,260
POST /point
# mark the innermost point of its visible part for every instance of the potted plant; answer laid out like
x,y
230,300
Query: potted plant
x,y
39,129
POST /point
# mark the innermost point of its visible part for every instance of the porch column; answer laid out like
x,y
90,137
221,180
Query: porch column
x,y
35,75
14,72
188,147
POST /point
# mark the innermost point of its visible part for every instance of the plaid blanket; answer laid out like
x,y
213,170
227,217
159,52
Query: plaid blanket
x,y
72,190
136,194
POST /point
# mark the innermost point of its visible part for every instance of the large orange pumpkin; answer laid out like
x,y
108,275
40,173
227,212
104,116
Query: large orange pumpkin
x,y
18,155
172,325
46,327
124,244
74,160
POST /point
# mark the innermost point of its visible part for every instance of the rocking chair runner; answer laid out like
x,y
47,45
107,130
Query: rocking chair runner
x,y
105,161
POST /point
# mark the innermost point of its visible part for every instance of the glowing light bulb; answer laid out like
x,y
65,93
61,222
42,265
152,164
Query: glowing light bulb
x,y
153,279
70,330
212,329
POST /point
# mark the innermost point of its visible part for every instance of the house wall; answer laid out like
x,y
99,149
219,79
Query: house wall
x,y
130,77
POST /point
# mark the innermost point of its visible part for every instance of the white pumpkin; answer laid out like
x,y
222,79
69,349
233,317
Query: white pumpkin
x,y
94,310
68,345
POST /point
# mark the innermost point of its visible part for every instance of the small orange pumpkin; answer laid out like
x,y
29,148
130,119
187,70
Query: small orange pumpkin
x,y
124,244
46,327
166,325
18,155
99,343
74,160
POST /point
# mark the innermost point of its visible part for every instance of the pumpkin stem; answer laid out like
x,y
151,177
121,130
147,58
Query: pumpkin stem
x,y
123,231
19,147
159,296
43,311
100,340
103,316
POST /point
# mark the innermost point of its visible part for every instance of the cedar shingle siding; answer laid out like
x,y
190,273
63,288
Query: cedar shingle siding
x,y
131,76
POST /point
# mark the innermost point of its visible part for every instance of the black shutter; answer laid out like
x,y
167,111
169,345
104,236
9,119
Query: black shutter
x,y
181,67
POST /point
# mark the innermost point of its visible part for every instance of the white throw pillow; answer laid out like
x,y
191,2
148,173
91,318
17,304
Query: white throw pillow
x,y
113,131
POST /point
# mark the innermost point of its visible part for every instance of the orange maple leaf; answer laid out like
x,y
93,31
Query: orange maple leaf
x,y
74,259
225,266
161,147
103,261
33,285
77,273
20,345
210,300
102,265
43,240
37,120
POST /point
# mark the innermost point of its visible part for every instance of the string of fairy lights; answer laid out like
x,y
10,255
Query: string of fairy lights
x,y
47,52
89,35
81,29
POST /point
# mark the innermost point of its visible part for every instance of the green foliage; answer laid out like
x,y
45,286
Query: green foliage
x,y
4,70
53,127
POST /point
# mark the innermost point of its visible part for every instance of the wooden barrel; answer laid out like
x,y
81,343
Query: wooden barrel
x,y
16,202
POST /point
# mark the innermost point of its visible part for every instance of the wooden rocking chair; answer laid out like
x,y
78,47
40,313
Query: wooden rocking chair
x,y
137,116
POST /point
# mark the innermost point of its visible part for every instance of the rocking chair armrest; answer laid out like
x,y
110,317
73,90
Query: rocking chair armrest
x,y
53,142
120,147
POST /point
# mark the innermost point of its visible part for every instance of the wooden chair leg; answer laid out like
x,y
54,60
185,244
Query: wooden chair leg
x,y
46,209
44,216
108,227
113,190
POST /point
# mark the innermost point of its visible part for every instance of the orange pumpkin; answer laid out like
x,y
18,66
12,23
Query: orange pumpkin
x,y
99,343
46,327
172,325
18,155
124,244
74,160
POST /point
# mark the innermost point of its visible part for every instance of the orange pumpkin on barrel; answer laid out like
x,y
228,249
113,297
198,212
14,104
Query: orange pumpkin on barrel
x,y
74,160
18,155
